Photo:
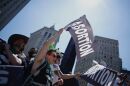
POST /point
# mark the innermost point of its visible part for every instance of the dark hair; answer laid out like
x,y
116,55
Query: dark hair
x,y
50,51
33,50
15,37
59,54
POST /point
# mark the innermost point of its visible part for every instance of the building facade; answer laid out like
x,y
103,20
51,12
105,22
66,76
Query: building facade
x,y
38,38
8,10
106,53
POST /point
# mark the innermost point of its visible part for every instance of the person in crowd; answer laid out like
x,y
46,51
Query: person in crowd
x,y
58,76
123,79
31,55
30,60
17,43
40,73
6,54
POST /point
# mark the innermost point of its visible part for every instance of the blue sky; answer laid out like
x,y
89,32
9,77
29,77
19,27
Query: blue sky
x,y
108,18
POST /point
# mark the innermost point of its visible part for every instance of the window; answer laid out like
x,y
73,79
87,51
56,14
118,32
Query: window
x,y
45,34
49,35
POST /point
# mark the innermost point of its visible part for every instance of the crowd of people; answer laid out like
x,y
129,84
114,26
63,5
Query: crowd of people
x,y
41,68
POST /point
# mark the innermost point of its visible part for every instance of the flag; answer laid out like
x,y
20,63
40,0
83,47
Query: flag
x,y
82,35
99,75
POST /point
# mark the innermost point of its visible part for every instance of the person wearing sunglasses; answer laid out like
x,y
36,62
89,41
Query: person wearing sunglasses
x,y
58,76
40,73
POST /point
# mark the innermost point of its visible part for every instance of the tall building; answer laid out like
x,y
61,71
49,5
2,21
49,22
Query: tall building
x,y
37,38
106,53
8,10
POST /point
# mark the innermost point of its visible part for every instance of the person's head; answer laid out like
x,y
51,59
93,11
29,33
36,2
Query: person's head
x,y
51,56
122,75
59,57
17,42
32,52
2,44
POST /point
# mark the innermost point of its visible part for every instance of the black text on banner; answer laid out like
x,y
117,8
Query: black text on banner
x,y
82,34
100,76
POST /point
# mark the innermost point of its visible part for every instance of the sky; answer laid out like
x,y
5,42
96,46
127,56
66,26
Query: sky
x,y
108,18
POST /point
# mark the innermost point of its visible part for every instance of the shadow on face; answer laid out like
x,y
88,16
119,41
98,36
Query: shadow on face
x,y
52,57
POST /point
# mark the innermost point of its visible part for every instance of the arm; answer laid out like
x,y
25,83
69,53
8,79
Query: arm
x,y
42,53
13,59
66,76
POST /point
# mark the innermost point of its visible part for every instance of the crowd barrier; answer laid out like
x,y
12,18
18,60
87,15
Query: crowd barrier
x,y
11,75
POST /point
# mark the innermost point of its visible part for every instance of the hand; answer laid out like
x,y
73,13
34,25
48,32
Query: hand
x,y
77,75
60,81
58,33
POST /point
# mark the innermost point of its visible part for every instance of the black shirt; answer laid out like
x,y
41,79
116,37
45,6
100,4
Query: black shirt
x,y
44,75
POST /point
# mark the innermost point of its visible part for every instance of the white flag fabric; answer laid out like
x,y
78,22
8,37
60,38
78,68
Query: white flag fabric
x,y
82,35
99,75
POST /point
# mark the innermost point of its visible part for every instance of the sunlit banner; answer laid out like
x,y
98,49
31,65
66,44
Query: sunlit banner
x,y
82,35
99,75
11,75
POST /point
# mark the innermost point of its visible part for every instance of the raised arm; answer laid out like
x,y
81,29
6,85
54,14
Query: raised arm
x,y
42,53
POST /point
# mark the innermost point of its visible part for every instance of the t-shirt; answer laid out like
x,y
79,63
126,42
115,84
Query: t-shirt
x,y
23,58
54,67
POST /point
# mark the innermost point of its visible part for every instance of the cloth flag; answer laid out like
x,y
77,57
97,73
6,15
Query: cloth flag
x,y
99,75
82,35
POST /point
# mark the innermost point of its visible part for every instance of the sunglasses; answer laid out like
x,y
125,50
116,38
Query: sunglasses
x,y
55,56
